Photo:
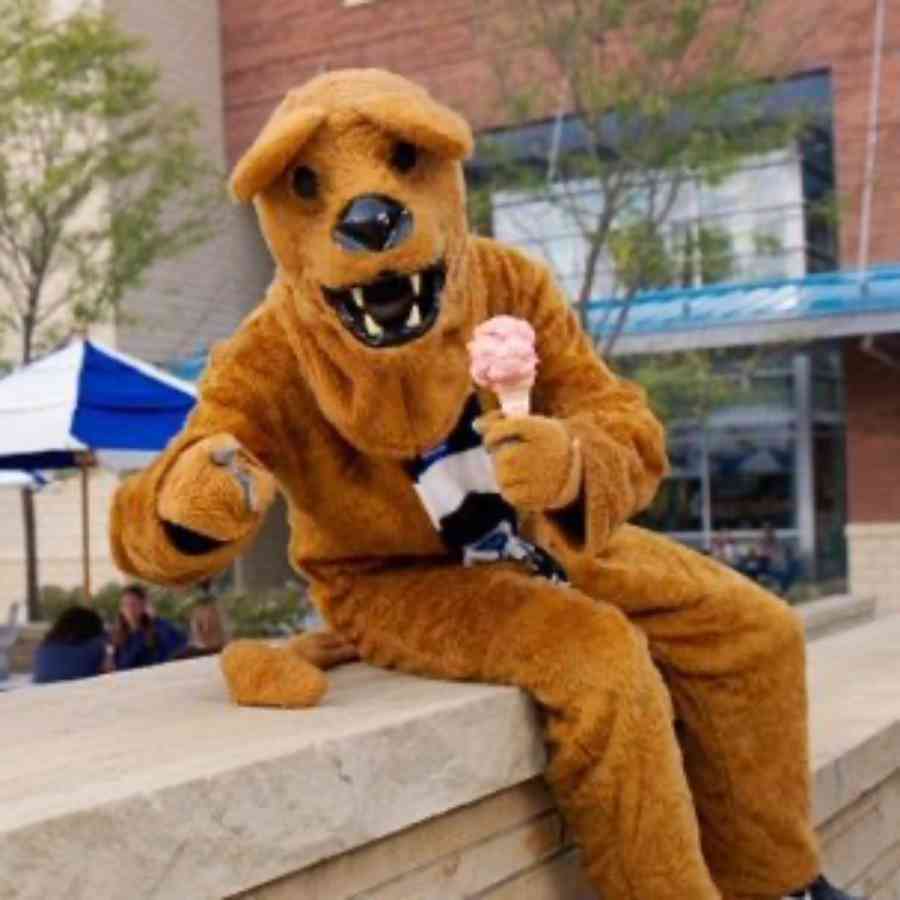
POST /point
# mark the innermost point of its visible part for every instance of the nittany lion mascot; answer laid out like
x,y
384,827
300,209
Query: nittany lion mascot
x,y
445,537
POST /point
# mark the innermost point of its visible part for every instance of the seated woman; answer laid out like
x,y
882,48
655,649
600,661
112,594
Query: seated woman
x,y
208,634
140,637
75,647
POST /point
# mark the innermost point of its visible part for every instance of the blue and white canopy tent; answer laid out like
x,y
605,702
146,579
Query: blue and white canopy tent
x,y
87,405
10,478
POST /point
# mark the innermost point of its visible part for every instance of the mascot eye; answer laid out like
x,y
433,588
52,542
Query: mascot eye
x,y
404,156
305,182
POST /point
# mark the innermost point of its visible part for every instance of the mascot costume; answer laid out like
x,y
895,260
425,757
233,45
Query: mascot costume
x,y
447,537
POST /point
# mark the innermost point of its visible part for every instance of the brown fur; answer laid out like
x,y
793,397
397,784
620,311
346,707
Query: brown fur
x,y
646,627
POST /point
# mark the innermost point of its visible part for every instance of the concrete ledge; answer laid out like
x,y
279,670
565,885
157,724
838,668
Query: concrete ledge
x,y
832,614
149,785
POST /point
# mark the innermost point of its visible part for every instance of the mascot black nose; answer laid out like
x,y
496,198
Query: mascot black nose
x,y
373,223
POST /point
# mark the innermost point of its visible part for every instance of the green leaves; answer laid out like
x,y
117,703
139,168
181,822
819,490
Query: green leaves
x,y
100,178
669,93
685,385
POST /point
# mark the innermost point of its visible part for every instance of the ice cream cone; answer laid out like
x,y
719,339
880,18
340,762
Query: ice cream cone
x,y
503,360
515,399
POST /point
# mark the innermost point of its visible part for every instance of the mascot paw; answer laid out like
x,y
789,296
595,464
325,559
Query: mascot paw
x,y
324,649
216,489
258,674
536,460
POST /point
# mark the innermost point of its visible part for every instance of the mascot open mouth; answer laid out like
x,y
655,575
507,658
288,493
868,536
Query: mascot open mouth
x,y
394,309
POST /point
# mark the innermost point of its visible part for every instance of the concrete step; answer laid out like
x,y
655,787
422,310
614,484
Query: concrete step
x,y
834,614
855,720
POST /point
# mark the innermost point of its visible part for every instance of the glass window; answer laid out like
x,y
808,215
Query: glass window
x,y
830,479
678,506
746,227
752,476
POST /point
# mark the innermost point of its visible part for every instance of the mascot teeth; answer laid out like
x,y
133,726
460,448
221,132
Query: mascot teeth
x,y
372,327
393,309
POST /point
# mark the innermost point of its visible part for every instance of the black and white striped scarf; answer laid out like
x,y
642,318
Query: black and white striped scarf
x,y
458,488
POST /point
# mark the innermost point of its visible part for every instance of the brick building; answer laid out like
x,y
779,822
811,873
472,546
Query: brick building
x,y
271,45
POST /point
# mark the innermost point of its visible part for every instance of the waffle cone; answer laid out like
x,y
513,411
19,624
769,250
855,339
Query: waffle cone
x,y
515,399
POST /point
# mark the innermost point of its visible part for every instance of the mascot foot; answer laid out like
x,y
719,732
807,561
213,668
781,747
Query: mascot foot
x,y
821,889
324,649
258,674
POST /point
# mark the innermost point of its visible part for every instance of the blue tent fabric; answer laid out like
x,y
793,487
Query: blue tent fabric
x,y
87,397
123,408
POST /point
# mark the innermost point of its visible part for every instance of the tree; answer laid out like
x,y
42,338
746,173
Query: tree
x,y
100,179
648,99
689,387
690,384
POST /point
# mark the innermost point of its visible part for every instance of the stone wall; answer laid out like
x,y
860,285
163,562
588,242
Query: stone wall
x,y
874,562
867,831
510,846
148,785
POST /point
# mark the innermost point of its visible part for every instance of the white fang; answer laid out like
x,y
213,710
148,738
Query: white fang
x,y
372,327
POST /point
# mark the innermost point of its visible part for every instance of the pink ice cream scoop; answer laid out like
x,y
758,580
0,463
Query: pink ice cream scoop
x,y
504,361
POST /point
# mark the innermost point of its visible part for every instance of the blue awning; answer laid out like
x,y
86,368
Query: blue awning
x,y
832,305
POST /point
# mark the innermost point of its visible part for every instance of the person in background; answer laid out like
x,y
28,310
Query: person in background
x,y
207,628
208,634
724,549
140,637
75,647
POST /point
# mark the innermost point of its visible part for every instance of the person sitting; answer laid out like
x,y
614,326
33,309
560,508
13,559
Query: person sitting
x,y
724,549
208,634
140,637
771,563
75,647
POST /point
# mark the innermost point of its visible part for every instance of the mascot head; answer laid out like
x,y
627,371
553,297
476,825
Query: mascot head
x,y
357,180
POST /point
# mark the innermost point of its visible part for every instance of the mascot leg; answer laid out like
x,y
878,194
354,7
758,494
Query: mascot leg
x,y
733,657
615,766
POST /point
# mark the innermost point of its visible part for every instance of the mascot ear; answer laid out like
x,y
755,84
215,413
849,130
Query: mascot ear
x,y
420,120
277,144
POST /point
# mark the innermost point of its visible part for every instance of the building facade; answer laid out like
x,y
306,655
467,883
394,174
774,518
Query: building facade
x,y
187,303
830,424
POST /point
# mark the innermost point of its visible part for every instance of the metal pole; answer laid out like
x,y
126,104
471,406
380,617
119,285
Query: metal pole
x,y
804,462
705,484
85,464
